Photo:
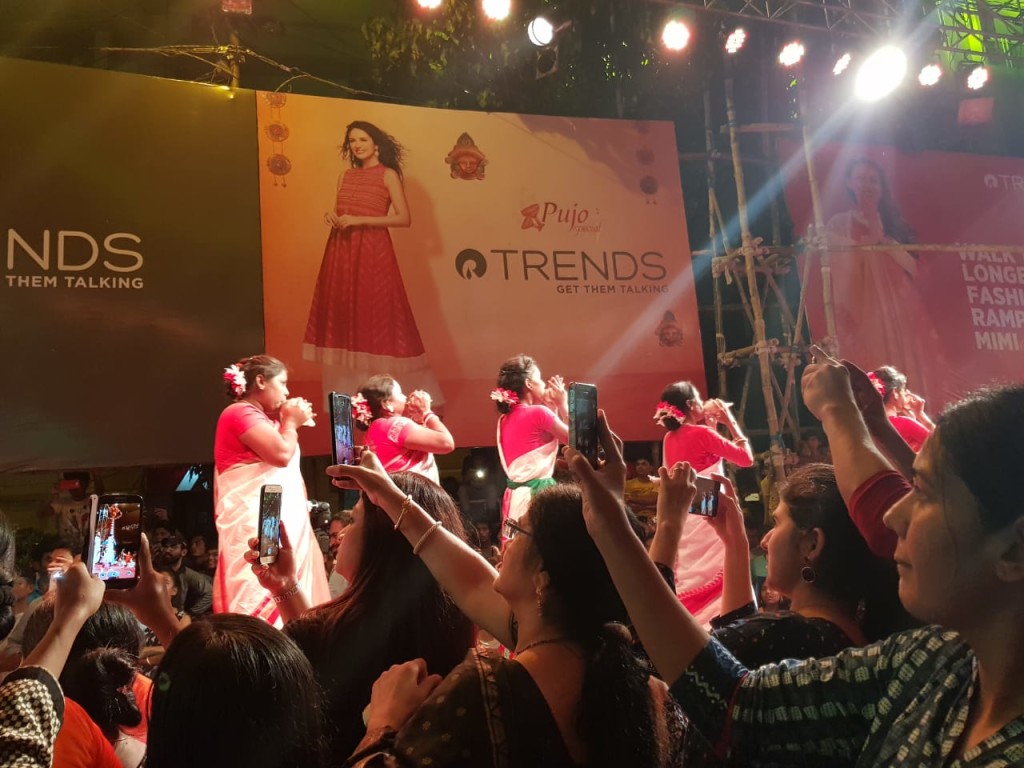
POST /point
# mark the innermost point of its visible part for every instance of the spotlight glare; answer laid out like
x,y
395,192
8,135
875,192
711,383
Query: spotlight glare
x,y
541,32
497,10
429,5
735,40
675,35
977,78
791,54
841,64
930,74
880,74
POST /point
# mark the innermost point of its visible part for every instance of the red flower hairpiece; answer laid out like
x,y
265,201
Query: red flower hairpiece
x,y
361,413
507,396
879,384
234,376
667,411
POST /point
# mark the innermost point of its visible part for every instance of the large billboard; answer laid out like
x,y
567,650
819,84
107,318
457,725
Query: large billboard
x,y
951,319
130,269
435,244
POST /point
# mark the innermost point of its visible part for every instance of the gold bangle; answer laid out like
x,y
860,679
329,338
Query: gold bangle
x,y
423,539
406,503
293,589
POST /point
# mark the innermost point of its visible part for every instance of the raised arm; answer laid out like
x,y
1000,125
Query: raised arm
x,y
738,590
78,597
670,635
460,571
277,446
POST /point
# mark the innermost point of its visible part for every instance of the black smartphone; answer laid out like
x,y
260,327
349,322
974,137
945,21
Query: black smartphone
x,y
583,420
342,449
115,535
270,523
705,501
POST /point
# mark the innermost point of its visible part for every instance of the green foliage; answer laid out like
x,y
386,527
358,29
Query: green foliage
x,y
610,61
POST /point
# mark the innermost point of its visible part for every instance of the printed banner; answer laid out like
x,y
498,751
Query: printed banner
x,y
951,320
436,244
130,273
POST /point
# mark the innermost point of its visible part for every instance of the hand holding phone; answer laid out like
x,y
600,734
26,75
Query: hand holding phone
x,y
115,536
583,434
270,523
705,500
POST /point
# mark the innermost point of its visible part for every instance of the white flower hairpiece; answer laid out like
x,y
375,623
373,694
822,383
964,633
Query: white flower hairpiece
x,y
234,376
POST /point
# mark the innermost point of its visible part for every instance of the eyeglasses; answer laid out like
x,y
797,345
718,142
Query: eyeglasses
x,y
513,529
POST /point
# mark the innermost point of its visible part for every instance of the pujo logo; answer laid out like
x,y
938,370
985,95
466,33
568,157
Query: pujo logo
x,y
575,219
470,263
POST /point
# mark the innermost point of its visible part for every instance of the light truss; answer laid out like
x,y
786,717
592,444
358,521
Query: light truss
x,y
971,30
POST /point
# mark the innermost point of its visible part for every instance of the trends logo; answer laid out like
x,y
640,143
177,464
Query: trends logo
x,y
1004,181
470,263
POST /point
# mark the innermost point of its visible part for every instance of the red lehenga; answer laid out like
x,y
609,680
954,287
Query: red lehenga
x,y
360,322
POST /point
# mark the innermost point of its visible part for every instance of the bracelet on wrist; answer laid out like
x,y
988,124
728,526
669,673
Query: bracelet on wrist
x,y
281,597
423,539
427,415
406,503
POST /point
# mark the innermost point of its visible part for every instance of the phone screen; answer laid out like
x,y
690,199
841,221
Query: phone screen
x,y
583,420
116,537
705,501
341,429
270,522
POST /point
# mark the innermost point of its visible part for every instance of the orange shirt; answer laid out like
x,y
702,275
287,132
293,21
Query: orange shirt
x,y
80,743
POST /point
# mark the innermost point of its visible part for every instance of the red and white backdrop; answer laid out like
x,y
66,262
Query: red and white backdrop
x,y
562,238
952,320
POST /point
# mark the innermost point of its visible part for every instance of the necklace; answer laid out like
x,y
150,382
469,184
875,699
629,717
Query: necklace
x,y
535,643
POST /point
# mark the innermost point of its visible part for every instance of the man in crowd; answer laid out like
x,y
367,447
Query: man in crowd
x,y
194,589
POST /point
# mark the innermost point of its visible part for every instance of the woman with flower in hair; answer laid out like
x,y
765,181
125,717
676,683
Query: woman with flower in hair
x,y
360,321
403,431
692,437
531,425
905,409
257,444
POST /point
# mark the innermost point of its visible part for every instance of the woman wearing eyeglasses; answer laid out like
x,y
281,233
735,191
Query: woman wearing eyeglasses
x,y
575,693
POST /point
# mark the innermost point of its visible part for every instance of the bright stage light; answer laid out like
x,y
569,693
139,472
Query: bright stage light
x,y
497,10
880,74
675,35
841,64
735,40
540,31
429,5
977,78
930,74
791,54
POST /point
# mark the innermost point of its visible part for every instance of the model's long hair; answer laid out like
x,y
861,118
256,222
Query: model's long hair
x,y
893,223
389,152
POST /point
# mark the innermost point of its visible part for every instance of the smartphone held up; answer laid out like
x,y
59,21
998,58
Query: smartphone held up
x,y
583,434
705,500
270,523
115,535
342,445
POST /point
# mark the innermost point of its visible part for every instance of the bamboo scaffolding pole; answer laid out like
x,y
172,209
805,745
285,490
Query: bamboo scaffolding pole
x,y
764,359
709,144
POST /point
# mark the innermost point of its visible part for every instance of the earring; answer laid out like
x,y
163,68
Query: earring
x,y
540,604
807,574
